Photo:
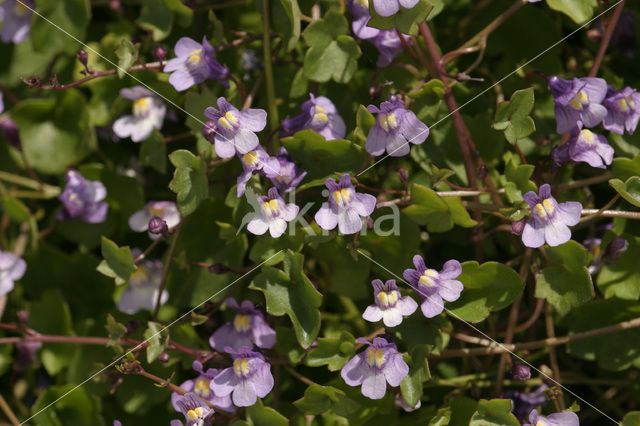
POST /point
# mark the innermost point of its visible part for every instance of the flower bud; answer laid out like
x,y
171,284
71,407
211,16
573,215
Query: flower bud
x,y
164,357
11,132
82,56
158,226
614,249
403,174
482,172
517,227
520,372
369,223
209,130
160,53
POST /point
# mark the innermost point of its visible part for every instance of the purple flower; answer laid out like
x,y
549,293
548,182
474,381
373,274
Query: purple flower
x,y
623,110
374,367
12,268
520,372
247,329
289,176
248,379
345,207
434,286
320,115
614,249
194,64
550,220
390,306
234,129
148,114
201,387
389,45
26,353
82,199
401,403
16,19
391,7
565,418
196,411
585,146
578,102
165,210
10,130
395,128
144,285
253,162
522,403
273,215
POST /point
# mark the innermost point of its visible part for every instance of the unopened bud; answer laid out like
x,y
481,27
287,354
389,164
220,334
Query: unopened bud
x,y
11,132
158,226
82,56
218,269
520,372
614,249
160,52
482,172
517,227
209,130
164,357
131,326
403,174
369,223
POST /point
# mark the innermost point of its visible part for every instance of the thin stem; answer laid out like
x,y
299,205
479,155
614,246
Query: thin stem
x,y
612,213
53,191
254,90
584,182
165,269
268,70
604,43
602,209
143,256
238,87
8,412
299,376
553,357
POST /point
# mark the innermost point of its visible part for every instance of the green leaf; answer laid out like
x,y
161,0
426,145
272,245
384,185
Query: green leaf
x,y
290,292
332,54
428,99
624,168
494,412
516,180
71,15
127,55
321,157
629,190
115,329
488,288
156,17
118,261
56,131
15,209
578,10
318,400
260,415
568,283
63,405
411,386
418,330
462,409
438,213
332,352
287,344
442,417
512,116
153,152
299,85
286,21
157,336
406,20
183,14
622,279
631,419
189,180
364,122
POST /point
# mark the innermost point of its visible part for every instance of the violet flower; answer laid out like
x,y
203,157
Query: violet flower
x,y
389,45
26,353
345,207
320,115
623,110
9,130
359,10
247,380
194,64
374,367
82,199
234,129
272,215
12,268
165,210
201,387
196,411
144,285
550,220
253,162
16,20
395,128
248,328
148,114
434,286
522,403
578,102
389,306
289,175
391,7
520,372
584,146
565,418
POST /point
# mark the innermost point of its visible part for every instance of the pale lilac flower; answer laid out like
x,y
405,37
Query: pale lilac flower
x,y
196,411
389,306
253,162
320,115
345,207
12,268
248,379
148,114
194,64
16,20
395,128
522,403
165,210
434,286
248,328
550,220
1,103
359,10
289,175
533,1
401,403
201,387
273,215
144,285
82,199
584,146
234,129
623,110
391,7
578,102
565,418
374,367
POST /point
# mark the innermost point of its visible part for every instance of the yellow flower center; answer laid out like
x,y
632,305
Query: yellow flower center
x,y
141,106
545,208
228,121
20,9
388,299
202,388
140,274
250,158
270,207
588,137
364,3
195,56
579,100
375,357
428,278
626,104
241,323
388,121
342,196
241,367
320,115
196,413
284,179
